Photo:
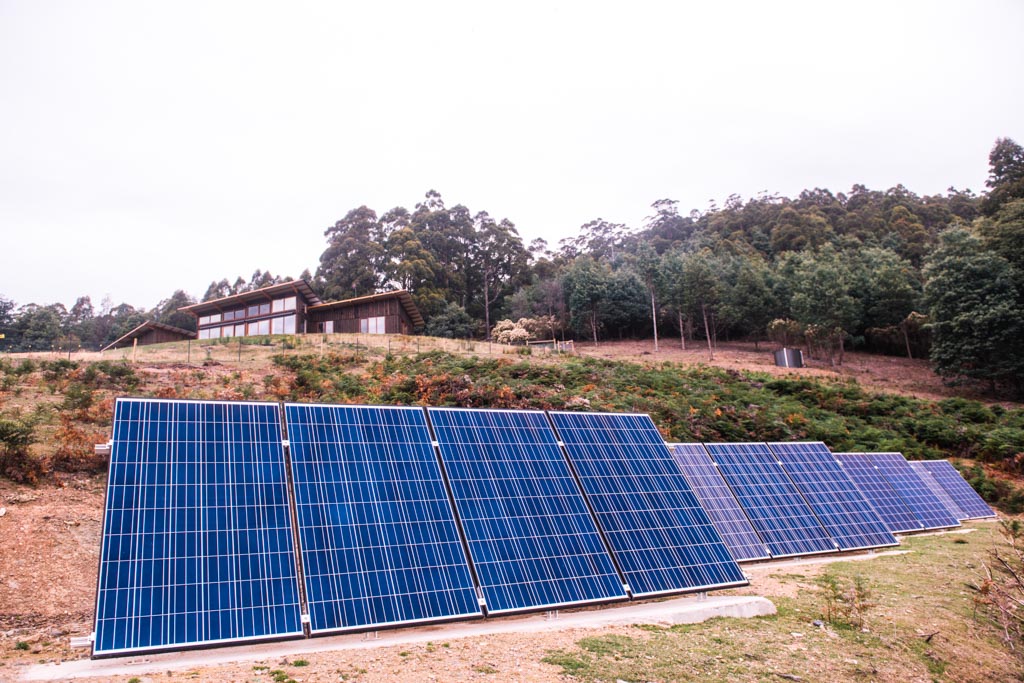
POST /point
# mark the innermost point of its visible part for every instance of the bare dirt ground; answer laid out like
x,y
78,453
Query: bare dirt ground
x,y
889,374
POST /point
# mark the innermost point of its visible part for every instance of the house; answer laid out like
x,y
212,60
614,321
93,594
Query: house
x,y
151,332
294,308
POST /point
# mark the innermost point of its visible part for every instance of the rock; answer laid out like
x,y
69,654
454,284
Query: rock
x,y
56,633
819,623
797,634
3,511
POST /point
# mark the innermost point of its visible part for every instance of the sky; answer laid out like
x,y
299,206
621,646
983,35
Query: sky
x,y
147,147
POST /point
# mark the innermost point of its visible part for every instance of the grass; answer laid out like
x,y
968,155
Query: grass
x,y
916,594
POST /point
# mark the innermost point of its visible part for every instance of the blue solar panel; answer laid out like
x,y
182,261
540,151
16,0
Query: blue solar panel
x,y
661,537
197,538
532,539
913,490
380,545
717,500
840,507
967,500
938,490
890,507
774,505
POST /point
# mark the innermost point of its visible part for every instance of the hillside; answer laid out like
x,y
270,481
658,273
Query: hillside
x,y
53,493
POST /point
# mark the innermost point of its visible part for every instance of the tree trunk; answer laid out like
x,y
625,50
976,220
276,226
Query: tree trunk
x,y
654,320
707,331
682,331
593,325
487,310
906,340
842,346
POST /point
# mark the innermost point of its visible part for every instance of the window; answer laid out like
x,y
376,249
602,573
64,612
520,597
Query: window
x,y
204,334
289,324
372,325
254,328
277,325
227,331
264,326
265,309
327,327
289,303
277,305
215,318
240,330
204,320
254,311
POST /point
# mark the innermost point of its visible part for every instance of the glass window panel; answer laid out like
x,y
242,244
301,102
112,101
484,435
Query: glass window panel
x,y
254,311
264,309
289,303
277,325
204,320
215,318
278,305
240,330
264,327
227,331
204,334
289,324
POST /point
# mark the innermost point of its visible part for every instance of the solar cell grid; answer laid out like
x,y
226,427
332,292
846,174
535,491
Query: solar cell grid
x,y
840,507
531,537
379,541
967,500
914,492
890,507
776,509
718,501
660,535
197,538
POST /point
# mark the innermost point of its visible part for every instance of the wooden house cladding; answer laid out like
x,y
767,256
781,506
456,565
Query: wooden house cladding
x,y
387,313
151,332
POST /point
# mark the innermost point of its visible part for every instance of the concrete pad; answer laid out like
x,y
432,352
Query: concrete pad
x,y
686,610
819,559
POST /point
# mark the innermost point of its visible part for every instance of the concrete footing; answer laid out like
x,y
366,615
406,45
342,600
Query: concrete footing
x,y
685,610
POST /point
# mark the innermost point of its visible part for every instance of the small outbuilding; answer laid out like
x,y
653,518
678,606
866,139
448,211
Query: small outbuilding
x,y
151,332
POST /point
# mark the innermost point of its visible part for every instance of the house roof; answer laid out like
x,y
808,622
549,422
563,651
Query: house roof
x,y
145,327
403,296
298,287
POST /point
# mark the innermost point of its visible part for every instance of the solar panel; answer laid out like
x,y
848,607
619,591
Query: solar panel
x,y
840,507
717,500
938,490
379,541
913,490
659,534
532,539
197,541
962,493
887,503
774,505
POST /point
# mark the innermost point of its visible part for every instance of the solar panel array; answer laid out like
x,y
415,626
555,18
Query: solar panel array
x,y
411,515
379,541
774,505
838,504
971,505
938,490
197,537
531,537
660,536
914,492
880,493
718,501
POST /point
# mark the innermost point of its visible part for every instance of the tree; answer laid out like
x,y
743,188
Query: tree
x,y
646,263
1006,175
748,302
351,264
167,312
500,260
973,302
822,298
453,323
586,289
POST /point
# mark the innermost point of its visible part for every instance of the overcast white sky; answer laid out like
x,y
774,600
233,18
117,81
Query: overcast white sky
x,y
147,147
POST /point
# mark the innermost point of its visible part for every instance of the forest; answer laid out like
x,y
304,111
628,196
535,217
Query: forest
x,y
887,271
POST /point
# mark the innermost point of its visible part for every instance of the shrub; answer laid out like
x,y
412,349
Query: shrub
x,y
16,462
